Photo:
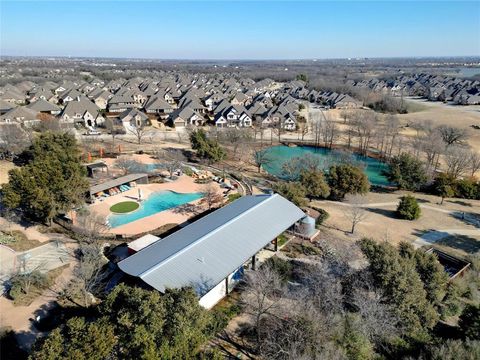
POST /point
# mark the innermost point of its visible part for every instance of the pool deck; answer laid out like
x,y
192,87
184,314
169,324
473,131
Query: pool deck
x,y
184,184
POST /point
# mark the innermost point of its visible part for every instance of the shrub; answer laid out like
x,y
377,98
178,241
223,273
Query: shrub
x,y
408,208
467,189
233,197
24,284
282,267
322,216
470,321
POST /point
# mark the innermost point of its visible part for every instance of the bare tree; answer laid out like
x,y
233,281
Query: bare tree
x,y
91,226
356,211
452,135
210,196
128,165
139,132
432,146
316,125
171,159
377,319
392,128
303,130
112,129
89,274
261,158
261,296
13,138
457,160
235,137
345,115
329,132
365,125
474,162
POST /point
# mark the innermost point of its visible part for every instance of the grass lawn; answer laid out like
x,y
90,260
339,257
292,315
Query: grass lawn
x,y
125,207
18,241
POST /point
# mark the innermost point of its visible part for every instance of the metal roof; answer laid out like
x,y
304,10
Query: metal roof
x,y
116,182
205,252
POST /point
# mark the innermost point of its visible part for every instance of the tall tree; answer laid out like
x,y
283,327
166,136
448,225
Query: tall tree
x,y
315,184
347,179
53,180
206,148
406,171
262,158
402,287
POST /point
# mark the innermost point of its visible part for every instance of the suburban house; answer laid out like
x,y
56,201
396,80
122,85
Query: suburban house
x,y
133,118
120,103
100,97
82,111
233,116
6,106
13,96
158,105
44,106
69,95
186,116
211,253
21,115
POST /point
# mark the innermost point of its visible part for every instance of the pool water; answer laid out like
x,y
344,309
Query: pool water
x,y
155,203
326,157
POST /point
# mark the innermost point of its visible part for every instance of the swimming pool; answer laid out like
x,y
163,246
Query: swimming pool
x,y
326,157
155,203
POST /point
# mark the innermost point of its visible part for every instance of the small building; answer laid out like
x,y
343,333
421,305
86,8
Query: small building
x,y
108,187
94,168
141,243
211,253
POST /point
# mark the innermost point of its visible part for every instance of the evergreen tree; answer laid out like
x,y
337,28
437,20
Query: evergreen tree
x,y
406,171
402,287
52,181
314,184
408,208
293,191
205,147
347,179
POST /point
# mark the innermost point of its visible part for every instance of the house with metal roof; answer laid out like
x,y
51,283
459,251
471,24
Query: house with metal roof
x,y
211,253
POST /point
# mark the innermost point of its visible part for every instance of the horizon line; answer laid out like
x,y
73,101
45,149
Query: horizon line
x,y
244,59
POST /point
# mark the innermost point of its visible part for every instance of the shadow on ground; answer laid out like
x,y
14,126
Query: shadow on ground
x,y
388,213
461,242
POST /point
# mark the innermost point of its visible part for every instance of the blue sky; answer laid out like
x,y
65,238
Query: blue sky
x,y
240,29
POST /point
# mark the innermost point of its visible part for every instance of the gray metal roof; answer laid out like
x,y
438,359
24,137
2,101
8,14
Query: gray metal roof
x,y
205,252
116,182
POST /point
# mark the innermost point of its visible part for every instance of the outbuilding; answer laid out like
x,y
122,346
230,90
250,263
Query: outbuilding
x,y
211,253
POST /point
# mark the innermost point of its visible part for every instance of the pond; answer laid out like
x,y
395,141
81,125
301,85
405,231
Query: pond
x,y
326,157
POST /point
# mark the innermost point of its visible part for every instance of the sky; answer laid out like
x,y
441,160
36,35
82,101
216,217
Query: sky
x,y
240,29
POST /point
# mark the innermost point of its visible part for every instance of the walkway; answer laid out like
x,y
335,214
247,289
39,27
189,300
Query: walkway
x,y
455,213
432,237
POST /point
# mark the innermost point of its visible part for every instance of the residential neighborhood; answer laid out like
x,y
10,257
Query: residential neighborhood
x,y
239,180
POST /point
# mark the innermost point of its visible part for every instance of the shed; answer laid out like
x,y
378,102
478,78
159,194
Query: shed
x,y
141,243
